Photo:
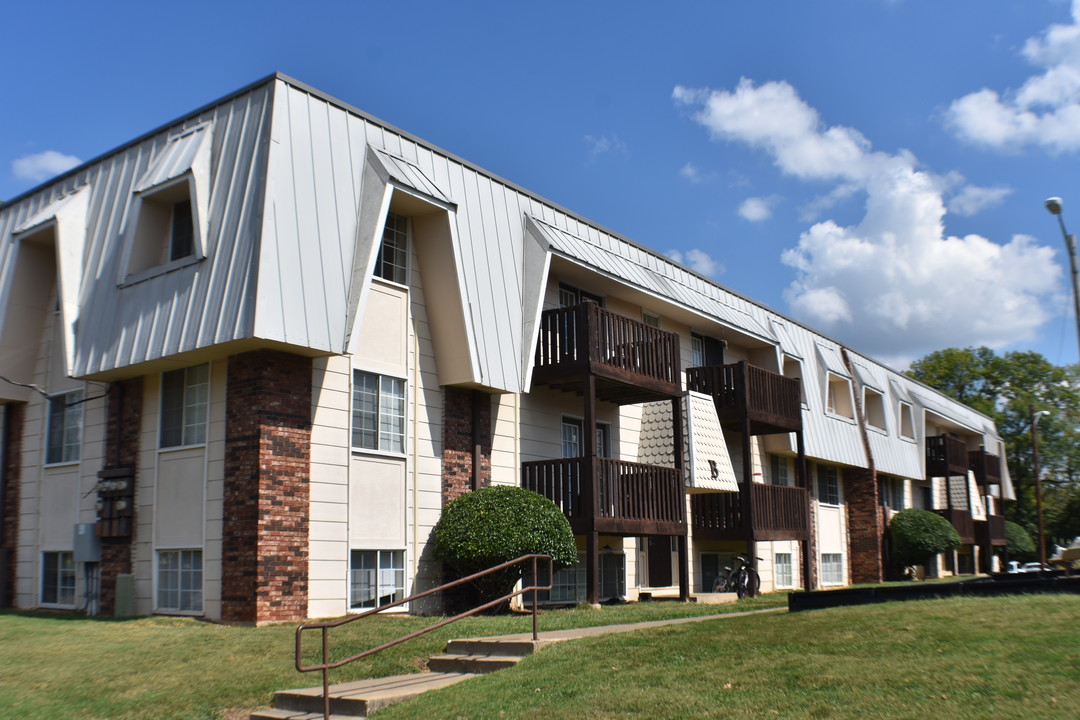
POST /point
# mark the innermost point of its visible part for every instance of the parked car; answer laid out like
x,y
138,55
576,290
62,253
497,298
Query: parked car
x,y
1034,567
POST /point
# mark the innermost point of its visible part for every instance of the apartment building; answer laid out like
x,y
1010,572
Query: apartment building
x,y
246,358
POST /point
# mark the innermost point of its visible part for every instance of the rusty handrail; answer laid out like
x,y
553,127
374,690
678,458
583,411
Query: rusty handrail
x,y
325,627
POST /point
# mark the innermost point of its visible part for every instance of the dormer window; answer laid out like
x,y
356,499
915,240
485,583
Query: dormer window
x,y
838,396
182,235
392,263
907,421
874,408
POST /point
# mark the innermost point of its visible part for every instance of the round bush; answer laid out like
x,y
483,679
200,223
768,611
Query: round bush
x,y
1021,546
499,523
918,535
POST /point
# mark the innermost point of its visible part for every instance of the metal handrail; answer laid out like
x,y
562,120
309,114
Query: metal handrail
x,y
325,627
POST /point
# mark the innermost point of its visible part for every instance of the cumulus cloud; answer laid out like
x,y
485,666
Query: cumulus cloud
x,y
603,144
972,200
698,261
43,165
1044,111
691,173
894,283
757,209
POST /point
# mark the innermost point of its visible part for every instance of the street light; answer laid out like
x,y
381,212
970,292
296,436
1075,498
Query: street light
x,y
1035,416
1053,205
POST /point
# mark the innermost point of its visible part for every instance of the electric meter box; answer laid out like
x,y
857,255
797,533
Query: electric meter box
x,y
87,545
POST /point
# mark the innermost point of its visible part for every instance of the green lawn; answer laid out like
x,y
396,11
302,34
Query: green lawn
x,y
1013,657
62,666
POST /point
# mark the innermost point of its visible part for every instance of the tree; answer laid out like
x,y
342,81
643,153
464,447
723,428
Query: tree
x,y
1021,546
918,535
493,525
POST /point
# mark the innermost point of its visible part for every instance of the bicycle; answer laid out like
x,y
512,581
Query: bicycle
x,y
742,579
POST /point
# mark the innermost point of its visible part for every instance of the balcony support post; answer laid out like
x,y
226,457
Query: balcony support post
x,y
677,434
592,498
802,479
747,491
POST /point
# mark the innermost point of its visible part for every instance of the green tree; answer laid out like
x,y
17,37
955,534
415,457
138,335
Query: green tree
x,y
918,535
1021,546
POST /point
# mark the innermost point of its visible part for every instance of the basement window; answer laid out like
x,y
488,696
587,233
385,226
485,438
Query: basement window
x,y
58,578
376,578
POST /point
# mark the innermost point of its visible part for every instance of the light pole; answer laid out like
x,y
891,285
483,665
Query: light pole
x,y
1054,206
1035,416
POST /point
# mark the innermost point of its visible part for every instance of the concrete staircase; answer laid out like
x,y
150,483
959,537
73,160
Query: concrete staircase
x,y
462,659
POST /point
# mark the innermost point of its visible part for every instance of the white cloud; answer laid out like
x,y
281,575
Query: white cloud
x,y
698,261
691,173
972,200
603,144
43,165
895,283
1044,111
757,209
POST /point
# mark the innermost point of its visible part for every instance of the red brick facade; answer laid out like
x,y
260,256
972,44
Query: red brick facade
x,y
123,425
267,473
9,522
866,525
460,409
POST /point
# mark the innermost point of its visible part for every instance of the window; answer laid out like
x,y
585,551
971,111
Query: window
x,y
568,585
893,491
828,485
907,421
793,369
832,569
376,578
164,229
874,408
570,296
782,570
697,351
393,253
65,428
180,579
705,351
572,446
378,414
185,398
651,319
58,578
778,470
838,396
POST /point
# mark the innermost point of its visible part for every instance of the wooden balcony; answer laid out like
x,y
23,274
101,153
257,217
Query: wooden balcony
x,y
771,402
991,532
779,513
632,498
961,520
946,457
987,467
633,362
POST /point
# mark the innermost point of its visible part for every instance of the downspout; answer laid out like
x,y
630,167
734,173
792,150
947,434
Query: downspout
x,y
477,452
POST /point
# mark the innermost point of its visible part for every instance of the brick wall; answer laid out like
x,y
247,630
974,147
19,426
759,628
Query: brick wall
x,y
123,424
458,443
267,491
866,524
9,523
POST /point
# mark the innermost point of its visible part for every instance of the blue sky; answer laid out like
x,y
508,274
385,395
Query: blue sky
x,y
875,168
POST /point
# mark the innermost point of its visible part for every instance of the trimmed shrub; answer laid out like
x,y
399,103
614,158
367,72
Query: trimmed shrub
x,y
918,535
1021,546
495,524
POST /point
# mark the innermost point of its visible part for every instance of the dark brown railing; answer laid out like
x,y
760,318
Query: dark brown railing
x,y
777,510
626,490
987,467
945,456
744,387
590,336
991,531
327,665
962,521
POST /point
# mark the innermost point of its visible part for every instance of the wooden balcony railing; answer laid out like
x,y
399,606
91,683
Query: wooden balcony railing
x,y
991,531
587,338
779,513
987,467
631,497
945,456
741,388
961,520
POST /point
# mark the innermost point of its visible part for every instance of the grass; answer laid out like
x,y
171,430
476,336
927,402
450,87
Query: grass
x,y
62,666
961,658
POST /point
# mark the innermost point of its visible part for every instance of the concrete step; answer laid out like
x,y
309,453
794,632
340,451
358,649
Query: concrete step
x,y
277,714
360,698
493,646
475,664
715,598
